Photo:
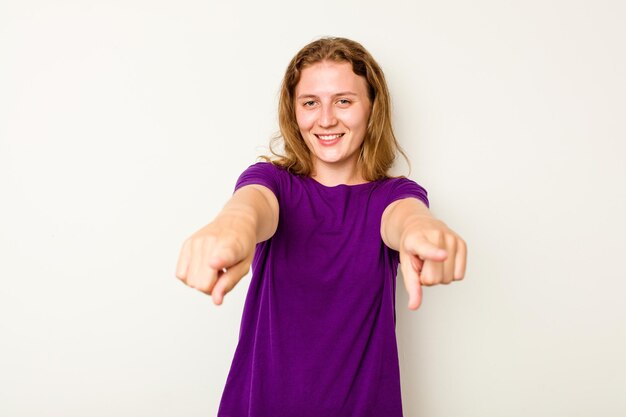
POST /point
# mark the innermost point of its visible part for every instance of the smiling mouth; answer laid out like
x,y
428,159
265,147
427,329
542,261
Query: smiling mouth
x,y
329,138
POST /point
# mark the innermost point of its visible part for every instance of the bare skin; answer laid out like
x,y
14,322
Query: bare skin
x,y
215,258
430,252
332,111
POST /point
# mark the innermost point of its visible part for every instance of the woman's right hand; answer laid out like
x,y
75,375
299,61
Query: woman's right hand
x,y
215,258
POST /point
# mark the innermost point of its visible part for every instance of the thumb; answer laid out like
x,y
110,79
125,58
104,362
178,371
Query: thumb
x,y
222,257
425,249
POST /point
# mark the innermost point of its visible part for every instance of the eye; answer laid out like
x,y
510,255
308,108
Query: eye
x,y
343,101
309,103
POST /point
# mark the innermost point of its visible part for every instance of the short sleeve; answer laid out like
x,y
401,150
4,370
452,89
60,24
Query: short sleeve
x,y
406,188
262,173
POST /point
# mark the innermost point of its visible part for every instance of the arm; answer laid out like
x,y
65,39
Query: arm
x,y
254,207
215,258
430,252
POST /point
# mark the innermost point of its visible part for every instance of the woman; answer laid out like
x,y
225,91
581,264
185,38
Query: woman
x,y
323,226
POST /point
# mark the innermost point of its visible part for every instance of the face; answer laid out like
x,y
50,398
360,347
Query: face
x,y
332,112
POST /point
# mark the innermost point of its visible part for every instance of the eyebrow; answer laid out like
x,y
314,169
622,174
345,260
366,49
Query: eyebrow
x,y
343,93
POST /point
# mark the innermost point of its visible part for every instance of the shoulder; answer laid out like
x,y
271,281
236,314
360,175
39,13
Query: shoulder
x,y
263,167
263,173
397,188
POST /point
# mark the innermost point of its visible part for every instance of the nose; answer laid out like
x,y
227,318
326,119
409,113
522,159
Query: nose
x,y
327,116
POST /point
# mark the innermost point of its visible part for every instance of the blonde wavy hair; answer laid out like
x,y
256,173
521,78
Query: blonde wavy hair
x,y
379,148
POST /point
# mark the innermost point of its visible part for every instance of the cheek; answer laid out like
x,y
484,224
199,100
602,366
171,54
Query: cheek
x,y
357,120
305,120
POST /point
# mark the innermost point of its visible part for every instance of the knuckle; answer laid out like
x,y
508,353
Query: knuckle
x,y
196,243
208,242
192,271
436,235
411,241
227,252
204,287
426,280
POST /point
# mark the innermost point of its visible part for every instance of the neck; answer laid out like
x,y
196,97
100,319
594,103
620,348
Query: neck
x,y
329,175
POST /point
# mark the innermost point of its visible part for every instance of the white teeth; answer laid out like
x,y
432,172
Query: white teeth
x,y
329,137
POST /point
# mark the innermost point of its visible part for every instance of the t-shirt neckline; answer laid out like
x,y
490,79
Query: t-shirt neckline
x,y
340,186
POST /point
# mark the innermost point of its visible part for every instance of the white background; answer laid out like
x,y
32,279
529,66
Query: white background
x,y
124,125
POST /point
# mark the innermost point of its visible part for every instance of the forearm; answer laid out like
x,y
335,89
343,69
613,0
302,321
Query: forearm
x,y
252,211
398,217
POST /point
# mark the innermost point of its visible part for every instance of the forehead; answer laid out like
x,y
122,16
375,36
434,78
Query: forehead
x,y
328,78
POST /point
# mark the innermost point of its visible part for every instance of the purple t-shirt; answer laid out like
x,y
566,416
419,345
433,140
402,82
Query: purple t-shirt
x,y
317,335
